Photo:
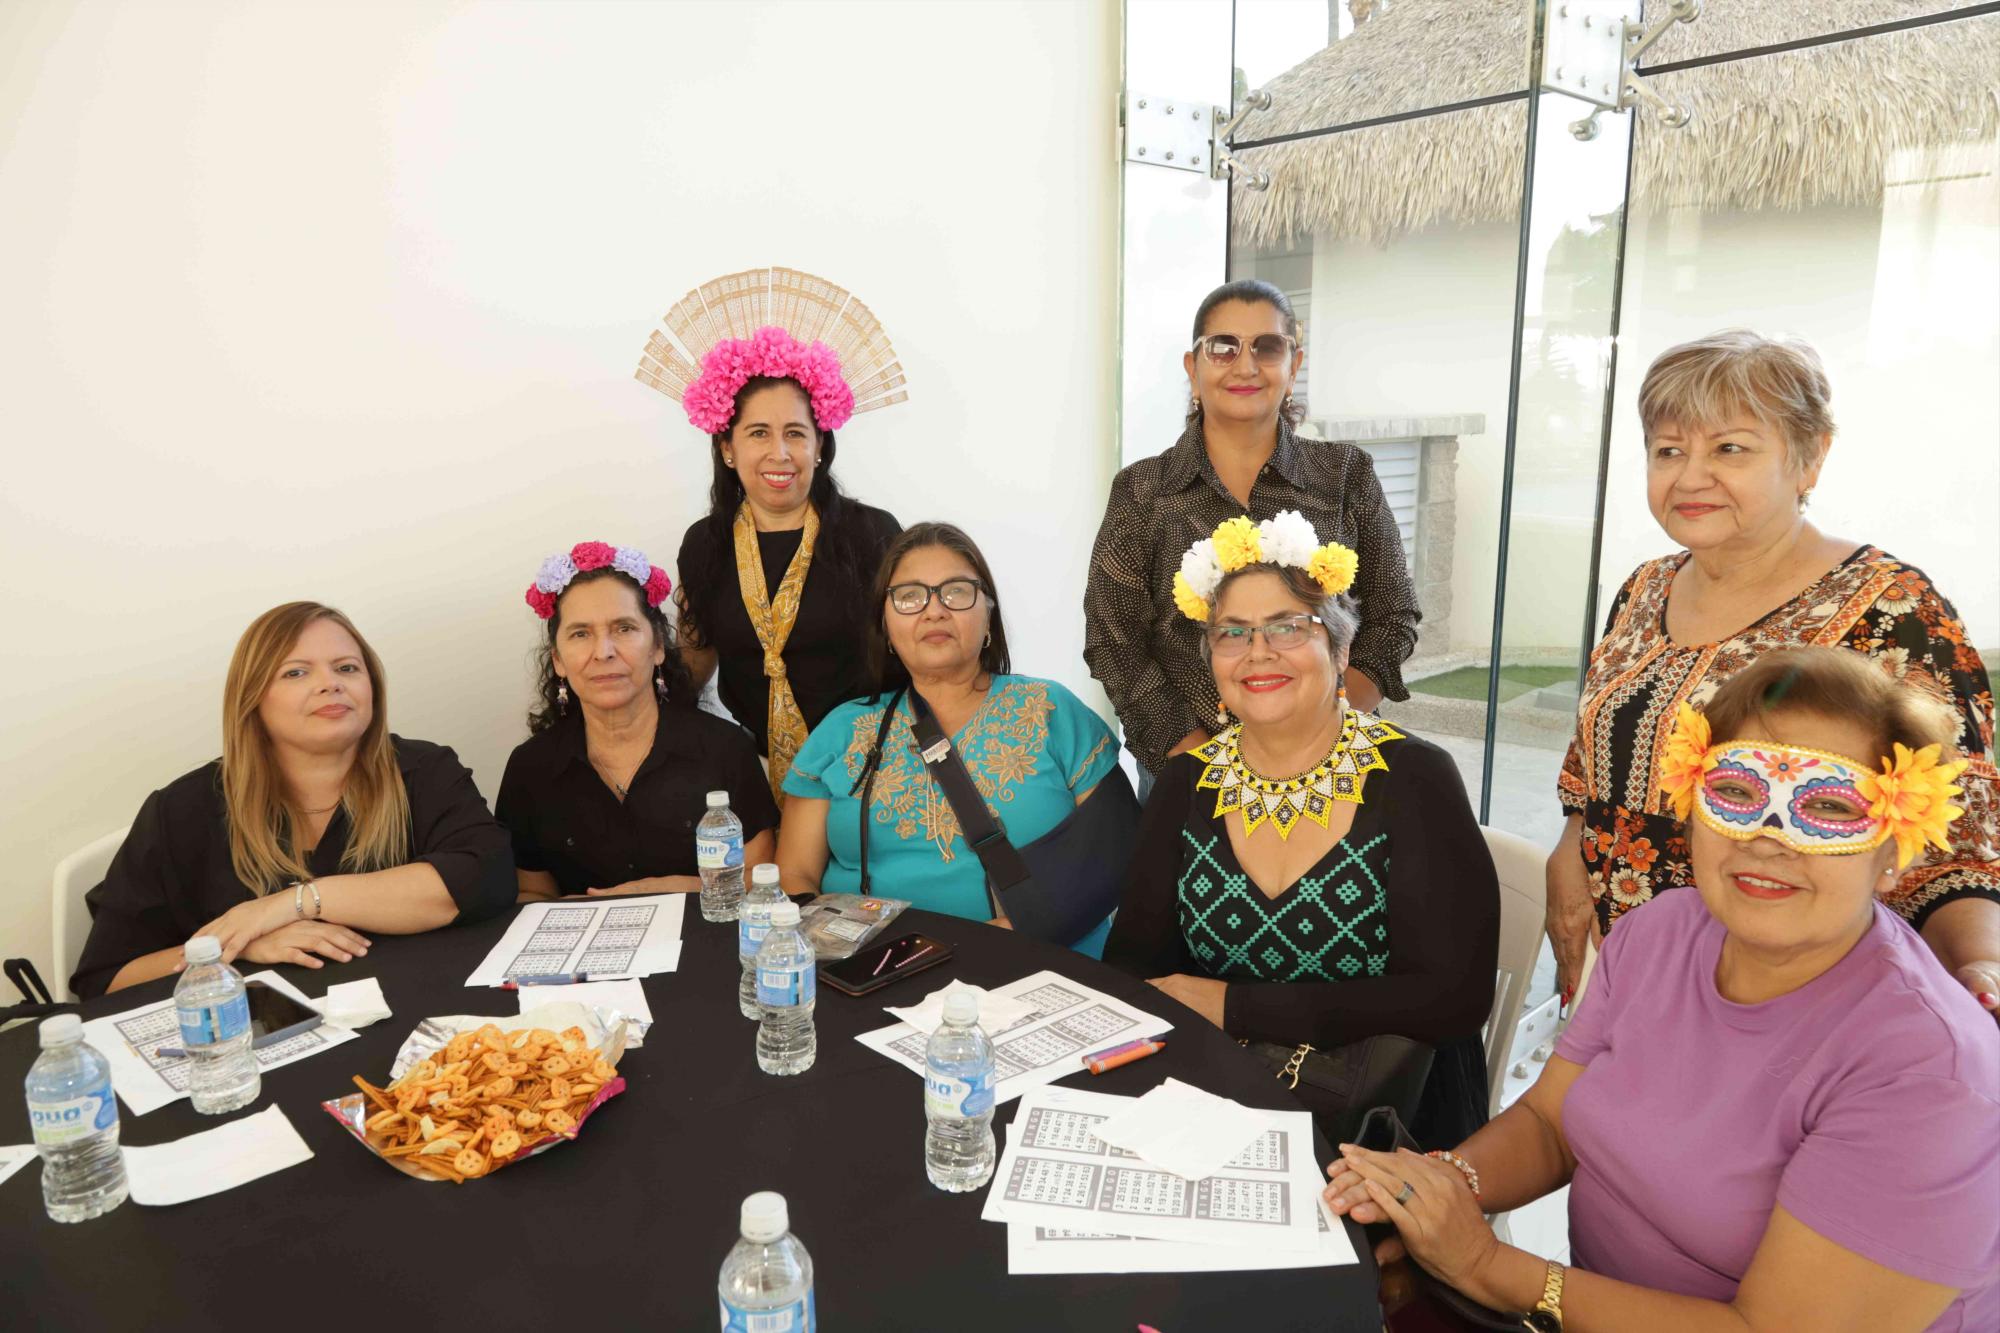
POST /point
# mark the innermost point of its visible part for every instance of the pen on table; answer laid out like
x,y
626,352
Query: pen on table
x,y
552,979
1119,1049
911,959
170,1052
1139,1052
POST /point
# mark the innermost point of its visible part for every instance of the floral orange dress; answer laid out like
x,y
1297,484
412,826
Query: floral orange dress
x,y
1872,603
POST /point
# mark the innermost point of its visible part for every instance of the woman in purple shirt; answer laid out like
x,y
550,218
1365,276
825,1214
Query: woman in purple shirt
x,y
1776,1110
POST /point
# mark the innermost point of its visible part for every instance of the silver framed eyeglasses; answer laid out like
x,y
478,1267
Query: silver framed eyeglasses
x,y
1285,634
1269,349
910,599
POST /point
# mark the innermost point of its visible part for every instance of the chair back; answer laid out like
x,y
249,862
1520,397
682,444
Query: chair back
x,y
1522,867
77,874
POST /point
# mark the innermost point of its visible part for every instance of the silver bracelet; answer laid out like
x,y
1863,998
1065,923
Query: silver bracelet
x,y
298,900
317,908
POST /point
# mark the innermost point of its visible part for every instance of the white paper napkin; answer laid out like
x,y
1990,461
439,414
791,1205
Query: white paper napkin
x,y
997,1012
354,1004
627,997
215,1160
1180,1128
13,1157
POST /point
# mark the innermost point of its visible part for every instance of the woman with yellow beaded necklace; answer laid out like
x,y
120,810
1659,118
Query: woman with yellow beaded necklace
x,y
1311,876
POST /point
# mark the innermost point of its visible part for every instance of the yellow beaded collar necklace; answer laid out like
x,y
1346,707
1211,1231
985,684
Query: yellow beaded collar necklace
x,y
1256,798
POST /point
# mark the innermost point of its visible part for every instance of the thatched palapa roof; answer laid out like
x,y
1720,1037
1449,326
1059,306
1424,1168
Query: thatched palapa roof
x,y
1786,131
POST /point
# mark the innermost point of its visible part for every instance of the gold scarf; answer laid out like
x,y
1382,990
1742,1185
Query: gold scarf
x,y
773,620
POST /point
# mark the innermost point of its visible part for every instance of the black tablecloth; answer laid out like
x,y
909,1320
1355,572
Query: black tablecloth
x,y
627,1226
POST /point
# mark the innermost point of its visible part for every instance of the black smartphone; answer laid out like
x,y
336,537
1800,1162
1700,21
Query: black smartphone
x,y
872,969
275,1015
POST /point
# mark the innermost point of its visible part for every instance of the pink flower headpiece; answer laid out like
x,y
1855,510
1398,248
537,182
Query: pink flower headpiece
x,y
730,364
558,570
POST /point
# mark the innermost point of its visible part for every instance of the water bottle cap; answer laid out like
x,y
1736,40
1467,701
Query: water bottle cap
x,y
784,914
764,873
961,1007
61,1030
718,800
203,949
765,1217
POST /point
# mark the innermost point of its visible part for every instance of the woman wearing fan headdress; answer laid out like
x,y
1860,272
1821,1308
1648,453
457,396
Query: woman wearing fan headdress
x,y
774,578
1310,878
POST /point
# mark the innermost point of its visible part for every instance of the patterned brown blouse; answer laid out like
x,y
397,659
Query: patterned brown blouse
x,y
1872,603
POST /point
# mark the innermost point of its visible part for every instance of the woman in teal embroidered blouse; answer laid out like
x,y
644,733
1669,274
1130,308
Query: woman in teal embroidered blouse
x,y
1033,749
1351,898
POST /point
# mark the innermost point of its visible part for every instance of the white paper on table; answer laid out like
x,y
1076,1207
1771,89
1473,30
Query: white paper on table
x,y
147,1080
354,1004
997,1012
215,1159
627,997
1069,1021
1180,1128
14,1156
1057,1173
1033,1249
608,938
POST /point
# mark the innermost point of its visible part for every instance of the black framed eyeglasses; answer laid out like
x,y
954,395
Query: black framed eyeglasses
x,y
910,599
1269,349
1285,634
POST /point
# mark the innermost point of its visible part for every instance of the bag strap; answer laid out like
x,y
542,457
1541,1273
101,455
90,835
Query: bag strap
x,y
1003,864
28,981
868,783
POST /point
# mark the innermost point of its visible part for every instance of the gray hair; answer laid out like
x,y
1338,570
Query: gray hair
x,y
1339,615
1779,381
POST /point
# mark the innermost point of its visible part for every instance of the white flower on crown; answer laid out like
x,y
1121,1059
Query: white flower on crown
x,y
1288,539
556,572
632,563
1201,568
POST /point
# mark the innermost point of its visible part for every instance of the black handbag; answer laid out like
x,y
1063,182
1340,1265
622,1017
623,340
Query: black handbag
x,y
1341,1086
1061,885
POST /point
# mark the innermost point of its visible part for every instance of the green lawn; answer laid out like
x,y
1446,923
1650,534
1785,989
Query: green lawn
x,y
1470,682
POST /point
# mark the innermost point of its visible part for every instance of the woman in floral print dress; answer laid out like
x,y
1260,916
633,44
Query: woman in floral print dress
x,y
1737,427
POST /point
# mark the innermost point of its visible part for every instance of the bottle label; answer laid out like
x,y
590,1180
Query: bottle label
x,y
782,988
798,1317
752,926
58,1124
947,1096
216,1022
718,853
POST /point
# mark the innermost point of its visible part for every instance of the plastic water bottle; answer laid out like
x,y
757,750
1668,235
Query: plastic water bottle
x,y
787,978
75,1119
767,1281
752,924
958,1098
214,1012
718,851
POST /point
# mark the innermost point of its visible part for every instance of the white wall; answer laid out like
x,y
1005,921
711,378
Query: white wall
x,y
343,301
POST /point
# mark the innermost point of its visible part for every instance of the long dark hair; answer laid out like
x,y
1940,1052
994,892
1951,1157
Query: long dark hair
x,y
680,690
843,545
892,678
1254,291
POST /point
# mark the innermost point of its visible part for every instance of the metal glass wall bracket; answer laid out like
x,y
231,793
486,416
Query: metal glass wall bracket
x,y
1169,132
1593,54
1221,160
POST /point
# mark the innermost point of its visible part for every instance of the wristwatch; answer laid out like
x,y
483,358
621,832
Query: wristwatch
x,y
1547,1316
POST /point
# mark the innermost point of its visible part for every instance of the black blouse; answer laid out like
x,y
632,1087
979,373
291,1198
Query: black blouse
x,y
173,874
823,655
566,821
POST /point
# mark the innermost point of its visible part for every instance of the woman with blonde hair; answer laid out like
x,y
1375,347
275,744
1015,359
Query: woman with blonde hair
x,y
315,825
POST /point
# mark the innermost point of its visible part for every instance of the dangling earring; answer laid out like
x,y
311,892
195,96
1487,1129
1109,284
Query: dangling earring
x,y
988,641
1221,715
1194,403
660,680
1286,406
1340,694
562,698
1805,498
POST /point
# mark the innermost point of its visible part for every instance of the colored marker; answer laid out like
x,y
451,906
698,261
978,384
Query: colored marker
x,y
170,1052
1139,1052
552,979
1120,1048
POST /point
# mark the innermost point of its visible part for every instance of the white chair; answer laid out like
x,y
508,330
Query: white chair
x,y
77,874
1522,867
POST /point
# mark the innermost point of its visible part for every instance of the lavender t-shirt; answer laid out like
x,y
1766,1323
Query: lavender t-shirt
x,y
1867,1103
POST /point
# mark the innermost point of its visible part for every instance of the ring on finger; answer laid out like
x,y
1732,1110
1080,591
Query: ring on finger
x,y
1403,1195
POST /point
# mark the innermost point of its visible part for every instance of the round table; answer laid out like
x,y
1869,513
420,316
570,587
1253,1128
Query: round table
x,y
627,1226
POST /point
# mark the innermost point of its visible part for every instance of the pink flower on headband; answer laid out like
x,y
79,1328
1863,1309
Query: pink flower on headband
x,y
559,570
711,400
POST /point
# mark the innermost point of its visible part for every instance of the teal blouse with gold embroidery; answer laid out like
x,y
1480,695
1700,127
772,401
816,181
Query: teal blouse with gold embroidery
x,y
1032,749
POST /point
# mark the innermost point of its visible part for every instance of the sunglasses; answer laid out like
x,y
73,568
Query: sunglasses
x,y
1270,349
910,599
1284,635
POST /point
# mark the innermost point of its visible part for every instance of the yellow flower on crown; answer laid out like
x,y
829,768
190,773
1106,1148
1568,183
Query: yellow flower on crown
x,y
1912,794
1334,567
1188,600
1686,758
1238,543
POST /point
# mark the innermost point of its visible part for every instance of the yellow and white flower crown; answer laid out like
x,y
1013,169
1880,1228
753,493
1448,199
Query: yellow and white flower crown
x,y
1286,539
1911,795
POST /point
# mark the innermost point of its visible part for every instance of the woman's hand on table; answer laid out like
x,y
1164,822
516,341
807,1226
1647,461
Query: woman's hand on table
x,y
1204,995
655,884
245,922
1438,1223
298,942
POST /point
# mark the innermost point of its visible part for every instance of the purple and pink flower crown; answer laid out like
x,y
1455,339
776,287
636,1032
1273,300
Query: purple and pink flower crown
x,y
711,400
557,571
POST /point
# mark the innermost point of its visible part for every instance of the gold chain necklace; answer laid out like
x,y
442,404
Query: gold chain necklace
x,y
1310,795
